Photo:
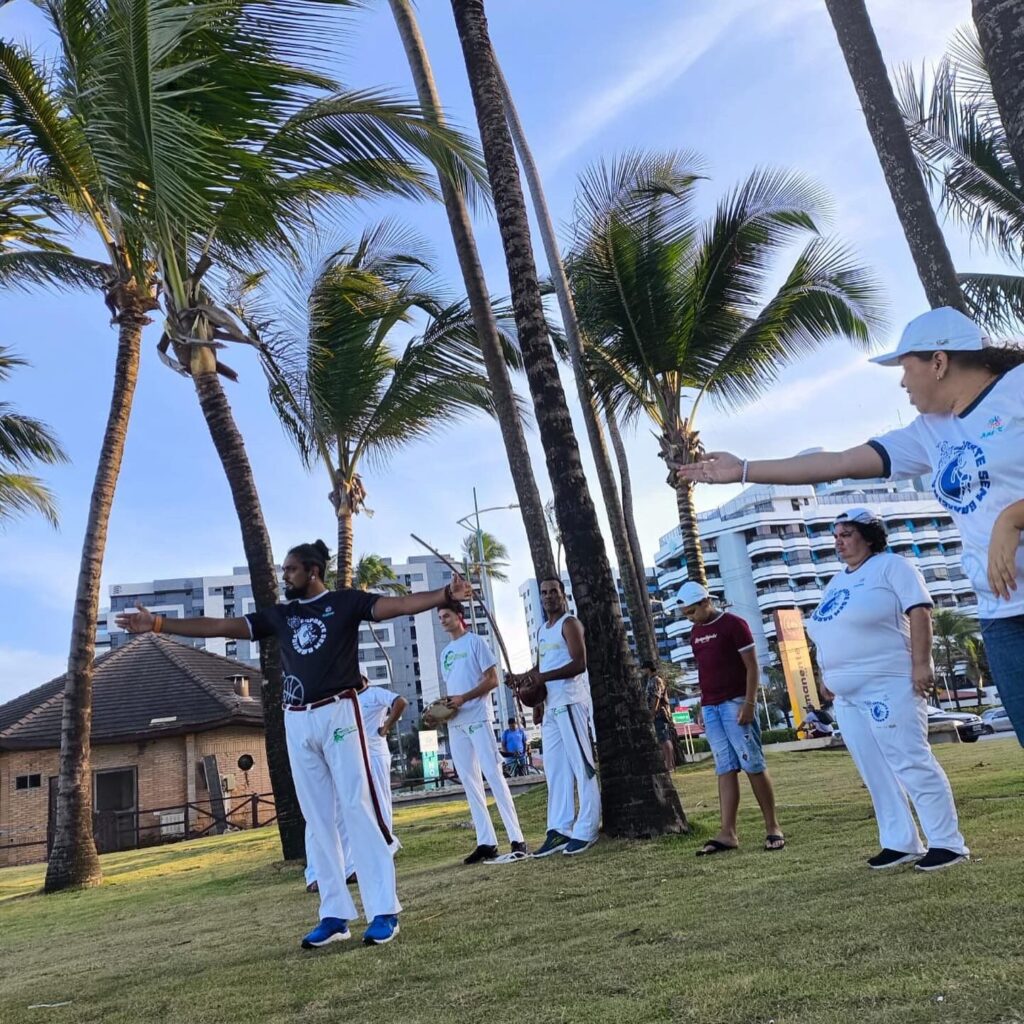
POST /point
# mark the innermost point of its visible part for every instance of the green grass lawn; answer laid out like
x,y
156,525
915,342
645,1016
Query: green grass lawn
x,y
632,932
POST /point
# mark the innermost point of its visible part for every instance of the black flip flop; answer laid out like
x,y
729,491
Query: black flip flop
x,y
716,847
774,839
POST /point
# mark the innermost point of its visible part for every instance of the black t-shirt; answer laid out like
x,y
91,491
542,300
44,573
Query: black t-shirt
x,y
319,641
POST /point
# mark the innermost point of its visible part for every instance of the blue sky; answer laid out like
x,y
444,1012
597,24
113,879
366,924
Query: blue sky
x,y
742,82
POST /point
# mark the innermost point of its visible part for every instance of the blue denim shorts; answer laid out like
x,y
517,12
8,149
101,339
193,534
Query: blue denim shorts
x,y
734,747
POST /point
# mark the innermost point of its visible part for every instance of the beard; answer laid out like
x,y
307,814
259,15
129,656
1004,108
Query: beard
x,y
293,593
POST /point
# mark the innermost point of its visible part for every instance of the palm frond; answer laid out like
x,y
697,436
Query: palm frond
x,y
995,300
827,294
21,494
961,145
28,270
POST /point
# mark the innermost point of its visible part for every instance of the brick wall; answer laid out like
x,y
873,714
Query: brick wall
x,y
162,775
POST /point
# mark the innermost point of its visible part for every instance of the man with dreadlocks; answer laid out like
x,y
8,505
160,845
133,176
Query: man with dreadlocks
x,y
318,632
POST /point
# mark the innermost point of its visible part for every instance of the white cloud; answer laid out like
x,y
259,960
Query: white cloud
x,y
21,670
677,47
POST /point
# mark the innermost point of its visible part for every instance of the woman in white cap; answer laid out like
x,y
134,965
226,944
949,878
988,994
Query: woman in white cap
x,y
970,437
873,631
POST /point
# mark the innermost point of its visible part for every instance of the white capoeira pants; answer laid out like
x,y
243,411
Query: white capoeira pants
x,y
885,726
566,732
326,753
475,751
380,768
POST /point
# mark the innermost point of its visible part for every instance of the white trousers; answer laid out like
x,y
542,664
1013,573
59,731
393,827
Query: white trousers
x,y
568,764
885,726
325,749
380,768
475,751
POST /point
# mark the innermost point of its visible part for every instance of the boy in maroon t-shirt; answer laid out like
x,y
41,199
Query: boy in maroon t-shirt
x,y
728,674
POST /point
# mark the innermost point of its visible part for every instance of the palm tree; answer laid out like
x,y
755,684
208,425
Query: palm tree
x,y
527,494
638,798
24,441
275,146
495,555
952,634
349,392
909,193
961,144
999,32
676,310
54,135
633,588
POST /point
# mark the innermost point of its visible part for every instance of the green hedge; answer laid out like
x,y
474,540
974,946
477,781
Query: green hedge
x,y
779,736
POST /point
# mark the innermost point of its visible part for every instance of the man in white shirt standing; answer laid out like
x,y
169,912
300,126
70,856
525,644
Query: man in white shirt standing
x,y
470,672
566,728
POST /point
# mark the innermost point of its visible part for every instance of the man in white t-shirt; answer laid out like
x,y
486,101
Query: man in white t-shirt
x,y
381,709
470,672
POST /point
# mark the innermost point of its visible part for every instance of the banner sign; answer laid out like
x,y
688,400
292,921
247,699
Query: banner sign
x,y
796,662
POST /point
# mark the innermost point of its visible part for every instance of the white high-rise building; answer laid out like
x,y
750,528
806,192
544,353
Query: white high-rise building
x,y
771,547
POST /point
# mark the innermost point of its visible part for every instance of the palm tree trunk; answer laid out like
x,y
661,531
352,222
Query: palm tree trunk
x,y
629,516
73,860
909,193
1000,25
345,544
528,496
259,557
643,625
691,535
638,798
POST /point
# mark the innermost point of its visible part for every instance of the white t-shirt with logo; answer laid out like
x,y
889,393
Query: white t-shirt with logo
x,y
463,662
374,704
553,653
861,627
977,464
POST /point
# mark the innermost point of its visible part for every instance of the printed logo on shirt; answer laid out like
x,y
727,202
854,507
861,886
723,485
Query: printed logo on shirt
x,y
879,710
328,611
475,727
831,606
547,646
340,735
705,639
961,481
450,658
996,425
294,691
563,710
308,635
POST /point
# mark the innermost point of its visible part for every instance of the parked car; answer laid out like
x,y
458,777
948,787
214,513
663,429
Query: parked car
x,y
969,726
996,720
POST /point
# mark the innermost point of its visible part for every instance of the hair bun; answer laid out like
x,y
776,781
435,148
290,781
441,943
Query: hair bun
x,y
322,548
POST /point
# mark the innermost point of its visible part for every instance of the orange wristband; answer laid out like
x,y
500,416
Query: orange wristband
x,y
158,623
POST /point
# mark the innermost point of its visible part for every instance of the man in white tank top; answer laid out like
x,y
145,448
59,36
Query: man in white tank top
x,y
566,728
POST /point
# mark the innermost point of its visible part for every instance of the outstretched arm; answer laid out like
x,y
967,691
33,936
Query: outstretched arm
x,y
860,463
411,604
142,620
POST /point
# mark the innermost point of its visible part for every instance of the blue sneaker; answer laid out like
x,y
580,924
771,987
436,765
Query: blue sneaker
x,y
554,842
577,846
330,929
383,928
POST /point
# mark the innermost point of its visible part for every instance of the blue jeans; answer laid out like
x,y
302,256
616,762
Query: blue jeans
x,y
1004,645
734,747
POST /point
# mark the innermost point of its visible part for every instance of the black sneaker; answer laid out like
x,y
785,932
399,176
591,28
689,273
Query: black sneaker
x,y
520,850
937,858
554,842
891,859
482,853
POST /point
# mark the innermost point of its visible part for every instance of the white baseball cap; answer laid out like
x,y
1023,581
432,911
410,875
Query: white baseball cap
x,y
860,514
691,593
939,330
